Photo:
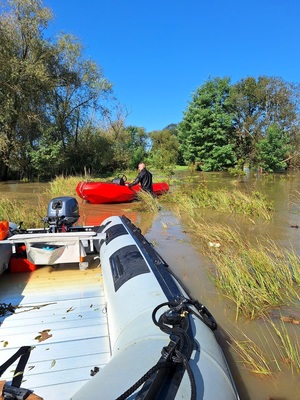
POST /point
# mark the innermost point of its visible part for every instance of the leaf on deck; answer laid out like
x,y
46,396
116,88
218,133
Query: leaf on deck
x,y
44,335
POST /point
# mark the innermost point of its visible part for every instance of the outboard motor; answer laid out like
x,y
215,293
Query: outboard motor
x,y
63,212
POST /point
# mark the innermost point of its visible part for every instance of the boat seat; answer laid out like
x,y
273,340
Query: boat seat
x,y
119,181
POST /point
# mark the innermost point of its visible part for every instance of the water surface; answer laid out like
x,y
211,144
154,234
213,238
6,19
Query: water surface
x,y
178,246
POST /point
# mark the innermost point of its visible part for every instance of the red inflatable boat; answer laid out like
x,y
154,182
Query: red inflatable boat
x,y
114,192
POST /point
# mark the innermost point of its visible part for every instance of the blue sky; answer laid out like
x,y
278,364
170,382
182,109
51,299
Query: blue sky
x,y
157,52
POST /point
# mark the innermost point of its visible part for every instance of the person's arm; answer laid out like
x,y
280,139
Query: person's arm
x,y
136,181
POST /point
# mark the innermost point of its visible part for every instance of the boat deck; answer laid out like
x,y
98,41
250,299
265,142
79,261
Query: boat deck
x,y
61,311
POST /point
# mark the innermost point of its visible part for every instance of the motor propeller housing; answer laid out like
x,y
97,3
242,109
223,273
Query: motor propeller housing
x,y
62,211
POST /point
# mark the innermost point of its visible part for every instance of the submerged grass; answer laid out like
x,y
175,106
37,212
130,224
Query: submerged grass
x,y
146,202
235,201
256,277
253,357
289,346
259,358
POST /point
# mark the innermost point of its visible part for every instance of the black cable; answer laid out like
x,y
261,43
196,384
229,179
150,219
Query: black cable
x,y
176,316
189,371
144,378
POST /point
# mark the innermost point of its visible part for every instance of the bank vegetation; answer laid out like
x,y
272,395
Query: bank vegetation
x,y
59,114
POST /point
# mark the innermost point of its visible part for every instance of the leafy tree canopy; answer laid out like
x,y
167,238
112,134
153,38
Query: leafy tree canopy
x,y
206,132
273,150
164,151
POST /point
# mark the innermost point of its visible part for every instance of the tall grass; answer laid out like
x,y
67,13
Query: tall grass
x,y
256,277
252,355
235,201
61,186
15,211
146,202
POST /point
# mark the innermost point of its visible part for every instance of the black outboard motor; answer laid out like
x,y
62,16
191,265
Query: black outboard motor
x,y
63,212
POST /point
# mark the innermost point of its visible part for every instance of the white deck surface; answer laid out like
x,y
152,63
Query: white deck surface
x,y
70,304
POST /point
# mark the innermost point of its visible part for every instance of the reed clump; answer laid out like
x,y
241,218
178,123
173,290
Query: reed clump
x,y
64,186
146,202
235,201
14,211
256,277
288,346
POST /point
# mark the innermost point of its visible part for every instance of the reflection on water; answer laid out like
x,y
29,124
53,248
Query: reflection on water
x,y
177,246
94,214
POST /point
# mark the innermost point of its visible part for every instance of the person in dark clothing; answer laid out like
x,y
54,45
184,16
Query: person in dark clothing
x,y
144,178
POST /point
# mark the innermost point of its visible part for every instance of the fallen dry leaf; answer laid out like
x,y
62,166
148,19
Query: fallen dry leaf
x,y
44,335
291,320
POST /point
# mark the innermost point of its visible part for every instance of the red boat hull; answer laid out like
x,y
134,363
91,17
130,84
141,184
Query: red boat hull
x,y
105,192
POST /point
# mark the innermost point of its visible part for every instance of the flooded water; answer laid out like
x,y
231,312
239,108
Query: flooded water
x,y
178,247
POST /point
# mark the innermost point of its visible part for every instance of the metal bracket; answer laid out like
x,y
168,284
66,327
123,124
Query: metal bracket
x,y
14,393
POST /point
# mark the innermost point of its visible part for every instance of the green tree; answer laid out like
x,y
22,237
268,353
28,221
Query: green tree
x,y
46,159
164,150
272,152
48,91
93,152
256,105
80,85
138,145
25,79
206,132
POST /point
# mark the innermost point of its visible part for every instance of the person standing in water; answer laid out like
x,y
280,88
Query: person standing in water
x,y
144,178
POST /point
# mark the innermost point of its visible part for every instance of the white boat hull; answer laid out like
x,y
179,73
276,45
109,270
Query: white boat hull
x,y
134,287
135,324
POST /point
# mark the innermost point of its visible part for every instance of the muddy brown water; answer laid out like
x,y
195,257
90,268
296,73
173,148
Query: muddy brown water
x,y
177,245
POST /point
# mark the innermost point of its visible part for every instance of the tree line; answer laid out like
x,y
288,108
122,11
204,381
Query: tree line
x,y
58,113
254,122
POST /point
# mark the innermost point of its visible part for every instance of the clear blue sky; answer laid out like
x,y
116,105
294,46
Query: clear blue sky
x,y
157,52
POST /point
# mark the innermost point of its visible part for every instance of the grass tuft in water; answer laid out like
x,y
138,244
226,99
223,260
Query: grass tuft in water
x,y
235,201
146,202
256,277
64,186
14,211
252,356
289,346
